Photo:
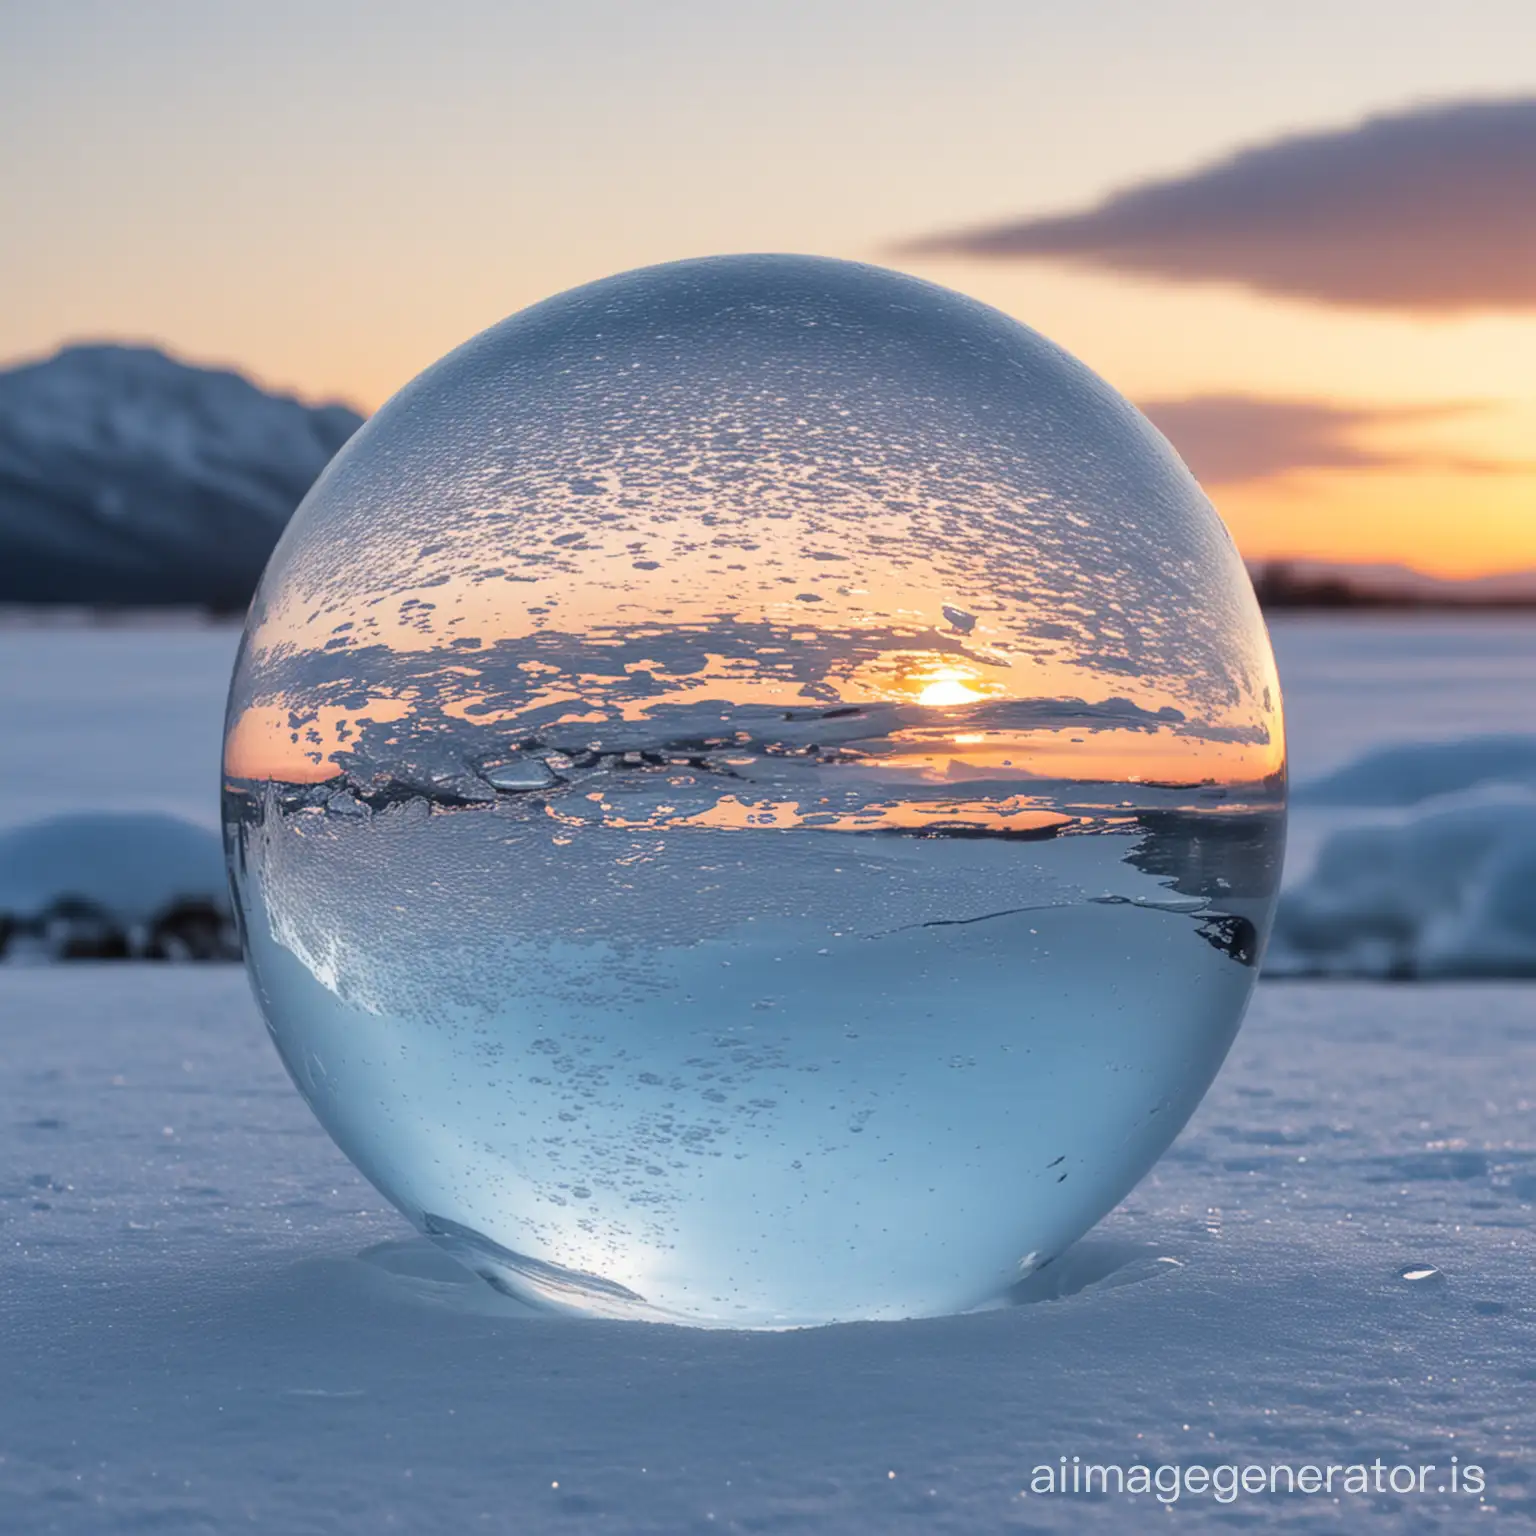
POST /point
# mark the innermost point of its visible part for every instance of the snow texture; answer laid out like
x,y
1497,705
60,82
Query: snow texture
x,y
1357,683
111,739
1449,893
1411,844
212,1324
112,718
129,477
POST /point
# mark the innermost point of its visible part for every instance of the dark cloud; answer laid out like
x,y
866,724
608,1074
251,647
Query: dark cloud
x,y
1432,210
1228,439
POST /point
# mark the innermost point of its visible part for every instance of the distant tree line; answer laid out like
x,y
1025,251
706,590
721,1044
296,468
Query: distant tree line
x,y
1279,585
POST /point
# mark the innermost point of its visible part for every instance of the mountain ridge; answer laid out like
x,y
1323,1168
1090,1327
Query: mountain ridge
x,y
131,478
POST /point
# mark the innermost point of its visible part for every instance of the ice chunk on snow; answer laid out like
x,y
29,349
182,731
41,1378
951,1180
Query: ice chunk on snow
x,y
215,1251
519,773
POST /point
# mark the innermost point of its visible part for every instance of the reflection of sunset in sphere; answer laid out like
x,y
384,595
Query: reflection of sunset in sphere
x,y
948,686
755,790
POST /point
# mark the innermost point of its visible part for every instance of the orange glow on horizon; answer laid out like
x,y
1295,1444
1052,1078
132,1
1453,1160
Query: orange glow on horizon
x,y
1457,527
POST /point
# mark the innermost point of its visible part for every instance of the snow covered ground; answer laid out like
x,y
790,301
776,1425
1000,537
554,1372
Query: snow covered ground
x,y
1362,681
210,1323
112,717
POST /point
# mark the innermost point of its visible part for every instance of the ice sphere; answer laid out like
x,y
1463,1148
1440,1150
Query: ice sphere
x,y
755,790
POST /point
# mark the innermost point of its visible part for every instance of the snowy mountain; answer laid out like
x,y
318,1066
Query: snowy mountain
x,y
127,477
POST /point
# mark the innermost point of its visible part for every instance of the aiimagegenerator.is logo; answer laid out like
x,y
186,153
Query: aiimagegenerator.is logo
x,y
1226,1482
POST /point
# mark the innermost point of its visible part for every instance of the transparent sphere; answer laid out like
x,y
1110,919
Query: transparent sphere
x,y
755,790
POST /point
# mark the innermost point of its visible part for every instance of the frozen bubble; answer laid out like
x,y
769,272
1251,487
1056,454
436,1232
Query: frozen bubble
x,y
756,792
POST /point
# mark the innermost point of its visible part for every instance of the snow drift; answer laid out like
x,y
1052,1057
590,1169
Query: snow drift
x,y
129,478
1420,771
103,886
1445,889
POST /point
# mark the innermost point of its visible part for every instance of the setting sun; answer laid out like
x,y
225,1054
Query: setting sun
x,y
948,685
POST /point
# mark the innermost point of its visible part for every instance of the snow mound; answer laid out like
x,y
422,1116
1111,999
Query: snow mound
x,y
127,477
1418,771
114,886
1435,878
1448,893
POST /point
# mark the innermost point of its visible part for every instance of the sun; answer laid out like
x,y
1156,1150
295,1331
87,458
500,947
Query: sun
x,y
947,685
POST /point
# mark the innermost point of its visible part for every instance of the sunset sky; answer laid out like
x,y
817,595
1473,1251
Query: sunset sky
x,y
1338,328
